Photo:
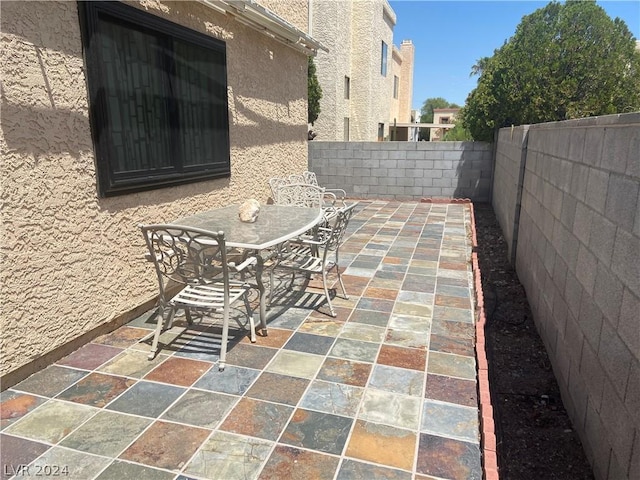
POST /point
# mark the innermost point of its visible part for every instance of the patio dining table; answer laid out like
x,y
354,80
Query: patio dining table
x,y
275,224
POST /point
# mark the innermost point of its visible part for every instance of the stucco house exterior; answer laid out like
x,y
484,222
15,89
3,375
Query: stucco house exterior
x,y
443,116
120,113
366,81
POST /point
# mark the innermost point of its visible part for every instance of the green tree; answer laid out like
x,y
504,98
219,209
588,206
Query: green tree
x,y
457,134
565,60
314,92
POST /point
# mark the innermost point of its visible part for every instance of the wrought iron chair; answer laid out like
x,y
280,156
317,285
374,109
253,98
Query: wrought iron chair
x,y
321,258
302,195
310,178
196,262
274,184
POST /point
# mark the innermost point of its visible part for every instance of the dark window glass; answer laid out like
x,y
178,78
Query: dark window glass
x,y
158,99
383,60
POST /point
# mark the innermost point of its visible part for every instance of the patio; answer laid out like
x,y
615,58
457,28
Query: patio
x,y
388,389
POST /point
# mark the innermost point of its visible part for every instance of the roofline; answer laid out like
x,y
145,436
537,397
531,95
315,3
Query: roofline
x,y
263,20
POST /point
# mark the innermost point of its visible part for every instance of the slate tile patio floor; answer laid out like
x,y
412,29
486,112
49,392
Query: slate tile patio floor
x,y
385,390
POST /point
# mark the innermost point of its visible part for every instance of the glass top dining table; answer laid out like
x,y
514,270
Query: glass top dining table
x,y
275,224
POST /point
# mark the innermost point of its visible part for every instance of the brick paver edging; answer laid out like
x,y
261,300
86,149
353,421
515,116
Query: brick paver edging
x,y
489,456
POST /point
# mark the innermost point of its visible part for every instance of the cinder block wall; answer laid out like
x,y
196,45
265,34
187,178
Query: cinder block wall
x,y
507,182
405,170
578,257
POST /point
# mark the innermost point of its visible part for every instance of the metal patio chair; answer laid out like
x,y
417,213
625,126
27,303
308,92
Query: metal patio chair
x,y
197,264
302,195
318,255
274,184
310,178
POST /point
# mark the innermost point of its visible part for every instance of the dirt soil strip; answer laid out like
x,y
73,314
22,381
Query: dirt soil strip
x,y
519,395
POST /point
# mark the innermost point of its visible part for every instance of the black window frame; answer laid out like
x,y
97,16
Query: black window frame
x,y
173,37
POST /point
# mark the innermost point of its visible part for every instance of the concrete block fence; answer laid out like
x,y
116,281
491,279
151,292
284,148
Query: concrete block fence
x,y
567,197
405,170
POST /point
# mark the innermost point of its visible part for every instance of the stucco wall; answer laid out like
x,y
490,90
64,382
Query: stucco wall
x,y
331,25
404,170
296,12
353,31
371,92
71,260
403,69
578,252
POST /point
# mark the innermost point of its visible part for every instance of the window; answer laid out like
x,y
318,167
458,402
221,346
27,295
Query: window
x,y
380,132
396,86
383,60
347,88
158,100
444,120
346,129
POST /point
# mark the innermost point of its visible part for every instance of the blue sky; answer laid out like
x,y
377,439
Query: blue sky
x,y
450,36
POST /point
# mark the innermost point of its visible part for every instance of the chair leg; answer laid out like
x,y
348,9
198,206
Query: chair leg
x,y
344,291
326,293
160,326
187,313
252,323
225,339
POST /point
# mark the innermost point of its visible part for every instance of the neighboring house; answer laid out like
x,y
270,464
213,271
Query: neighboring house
x,y
402,91
115,114
443,116
360,71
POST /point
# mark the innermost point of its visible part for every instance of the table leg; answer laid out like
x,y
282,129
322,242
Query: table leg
x,y
262,294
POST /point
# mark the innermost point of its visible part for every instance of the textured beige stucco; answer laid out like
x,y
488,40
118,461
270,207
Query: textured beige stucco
x,y
407,52
353,32
71,260
296,12
331,25
396,71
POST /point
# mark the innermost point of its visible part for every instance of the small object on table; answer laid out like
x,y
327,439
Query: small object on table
x,y
249,210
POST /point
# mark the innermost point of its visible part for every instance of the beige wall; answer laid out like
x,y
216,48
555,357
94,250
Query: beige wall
x,y
296,12
407,50
396,71
353,32
403,69
371,92
71,260
331,25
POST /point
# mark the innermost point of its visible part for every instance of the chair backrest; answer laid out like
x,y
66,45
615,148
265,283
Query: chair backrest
x,y
274,184
310,178
186,255
307,177
296,178
300,195
338,225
